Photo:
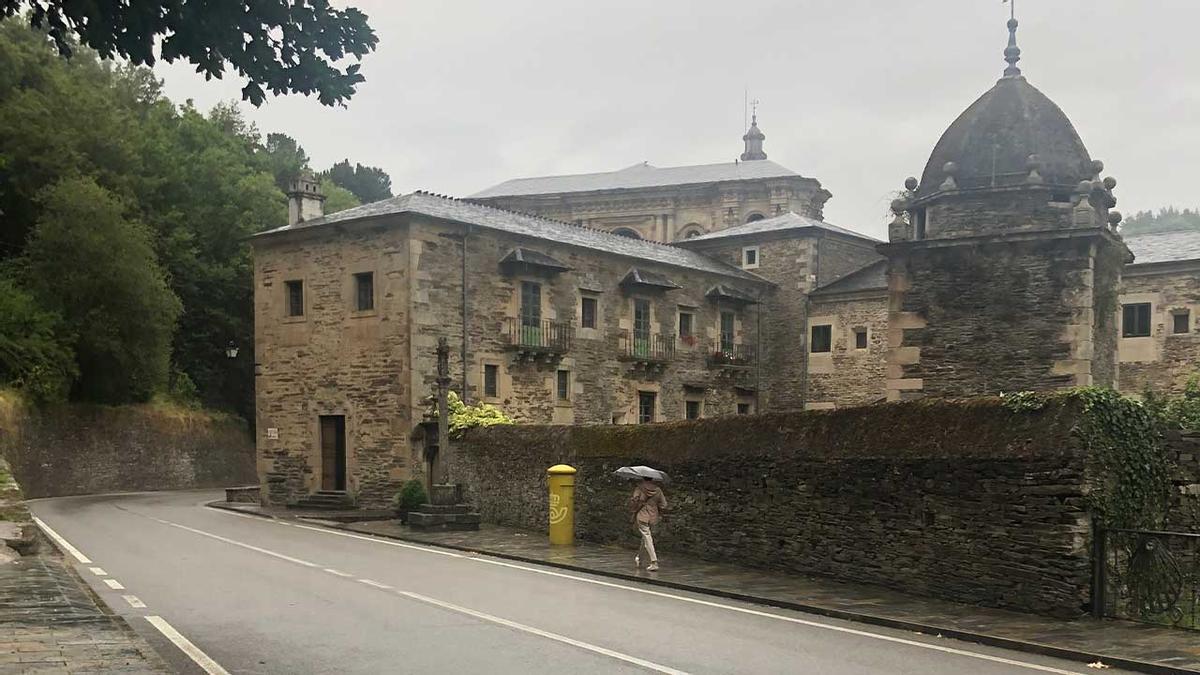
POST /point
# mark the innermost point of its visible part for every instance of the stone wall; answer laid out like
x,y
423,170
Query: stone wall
x,y
847,375
998,314
1183,447
987,509
84,449
1164,360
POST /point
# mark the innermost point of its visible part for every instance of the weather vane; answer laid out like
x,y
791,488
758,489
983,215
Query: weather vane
x,y
754,109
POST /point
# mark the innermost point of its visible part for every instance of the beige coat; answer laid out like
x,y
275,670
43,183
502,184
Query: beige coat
x,y
647,503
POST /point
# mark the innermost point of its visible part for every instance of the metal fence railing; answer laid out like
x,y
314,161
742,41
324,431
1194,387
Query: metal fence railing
x,y
647,348
540,336
723,353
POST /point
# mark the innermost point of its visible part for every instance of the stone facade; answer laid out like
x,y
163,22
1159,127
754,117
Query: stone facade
x,y
1164,359
990,510
849,373
374,369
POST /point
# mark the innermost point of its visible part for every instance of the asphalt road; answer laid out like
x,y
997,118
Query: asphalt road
x,y
249,595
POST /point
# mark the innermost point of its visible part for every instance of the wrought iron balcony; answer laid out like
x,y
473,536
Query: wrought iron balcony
x,y
539,337
725,353
646,348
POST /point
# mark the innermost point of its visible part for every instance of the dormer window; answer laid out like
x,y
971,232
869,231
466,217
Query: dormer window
x,y
749,257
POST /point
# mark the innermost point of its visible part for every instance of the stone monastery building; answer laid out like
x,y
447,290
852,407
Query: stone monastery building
x,y
651,294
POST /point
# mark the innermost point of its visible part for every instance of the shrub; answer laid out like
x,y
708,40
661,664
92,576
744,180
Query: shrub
x,y
1177,412
411,495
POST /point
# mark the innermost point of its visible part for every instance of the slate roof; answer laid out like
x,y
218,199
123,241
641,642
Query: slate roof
x,y
873,277
1164,246
786,221
638,176
640,277
447,208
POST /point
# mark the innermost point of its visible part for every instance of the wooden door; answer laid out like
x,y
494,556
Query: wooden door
x,y
333,452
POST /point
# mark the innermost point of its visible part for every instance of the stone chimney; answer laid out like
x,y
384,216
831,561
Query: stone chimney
x,y
305,201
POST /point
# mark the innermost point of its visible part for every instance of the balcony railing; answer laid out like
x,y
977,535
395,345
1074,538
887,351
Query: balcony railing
x,y
646,348
540,337
722,353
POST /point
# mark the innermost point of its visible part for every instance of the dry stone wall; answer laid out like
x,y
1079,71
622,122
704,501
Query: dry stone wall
x,y
84,449
964,501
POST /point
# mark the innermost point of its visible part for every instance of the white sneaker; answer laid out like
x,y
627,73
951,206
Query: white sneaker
x,y
653,567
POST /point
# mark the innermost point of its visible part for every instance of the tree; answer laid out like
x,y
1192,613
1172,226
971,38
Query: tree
x,y
284,46
337,198
285,158
35,352
368,183
87,262
1169,219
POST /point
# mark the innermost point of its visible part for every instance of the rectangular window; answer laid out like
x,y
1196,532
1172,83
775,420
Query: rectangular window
x,y
295,298
564,385
491,380
587,312
685,324
822,339
646,401
1135,320
691,410
750,257
727,324
1181,322
364,291
641,319
919,225
743,408
531,304
860,338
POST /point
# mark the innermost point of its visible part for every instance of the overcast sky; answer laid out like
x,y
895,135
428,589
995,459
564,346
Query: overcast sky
x,y
461,95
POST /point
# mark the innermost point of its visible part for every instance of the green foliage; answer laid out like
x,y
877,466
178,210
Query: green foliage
x,y
1177,412
368,183
197,183
35,352
411,495
96,268
1132,485
1169,219
463,416
280,45
337,198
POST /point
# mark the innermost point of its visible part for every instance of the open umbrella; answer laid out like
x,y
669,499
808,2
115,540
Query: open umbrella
x,y
637,472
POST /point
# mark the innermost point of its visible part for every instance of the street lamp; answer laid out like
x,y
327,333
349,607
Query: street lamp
x,y
231,351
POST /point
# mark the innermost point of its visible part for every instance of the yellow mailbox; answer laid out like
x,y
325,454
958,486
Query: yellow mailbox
x,y
561,479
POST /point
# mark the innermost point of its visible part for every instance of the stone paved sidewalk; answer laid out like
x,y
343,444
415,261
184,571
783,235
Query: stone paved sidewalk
x,y
50,623
1117,643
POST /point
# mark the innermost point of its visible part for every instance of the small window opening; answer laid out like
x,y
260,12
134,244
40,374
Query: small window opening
x,y
491,376
1135,320
1181,322
822,339
295,298
364,291
860,338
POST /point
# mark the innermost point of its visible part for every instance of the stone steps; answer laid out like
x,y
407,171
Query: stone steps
x,y
324,500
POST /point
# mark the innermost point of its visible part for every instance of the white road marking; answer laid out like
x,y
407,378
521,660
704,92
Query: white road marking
x,y
706,603
185,645
238,543
376,584
98,571
336,572
134,602
114,584
63,543
649,665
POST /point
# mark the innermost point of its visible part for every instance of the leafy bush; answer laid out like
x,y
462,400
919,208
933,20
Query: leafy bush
x,y
411,495
1132,479
463,416
35,351
1177,412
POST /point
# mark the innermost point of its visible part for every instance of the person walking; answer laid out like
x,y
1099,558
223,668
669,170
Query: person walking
x,y
647,504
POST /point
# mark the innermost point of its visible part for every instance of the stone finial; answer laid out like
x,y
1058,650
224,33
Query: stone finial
x,y
911,184
950,169
1012,53
1097,167
1114,218
1110,183
899,206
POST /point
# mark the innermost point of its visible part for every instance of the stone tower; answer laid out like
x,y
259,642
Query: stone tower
x,y
1003,260
754,138
305,201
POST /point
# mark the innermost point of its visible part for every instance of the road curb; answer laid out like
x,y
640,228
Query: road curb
x,y
870,619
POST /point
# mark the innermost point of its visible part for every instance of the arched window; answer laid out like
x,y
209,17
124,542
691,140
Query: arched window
x,y
690,230
754,216
626,232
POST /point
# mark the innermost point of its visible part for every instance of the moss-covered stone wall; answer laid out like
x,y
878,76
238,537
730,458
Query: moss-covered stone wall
x,y
85,449
959,500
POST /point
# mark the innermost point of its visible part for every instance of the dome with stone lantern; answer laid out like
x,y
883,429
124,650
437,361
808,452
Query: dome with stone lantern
x,y
1012,135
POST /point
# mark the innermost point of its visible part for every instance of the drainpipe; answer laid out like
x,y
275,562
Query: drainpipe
x,y
758,357
466,234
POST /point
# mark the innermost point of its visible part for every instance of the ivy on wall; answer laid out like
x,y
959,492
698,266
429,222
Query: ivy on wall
x,y
1131,486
